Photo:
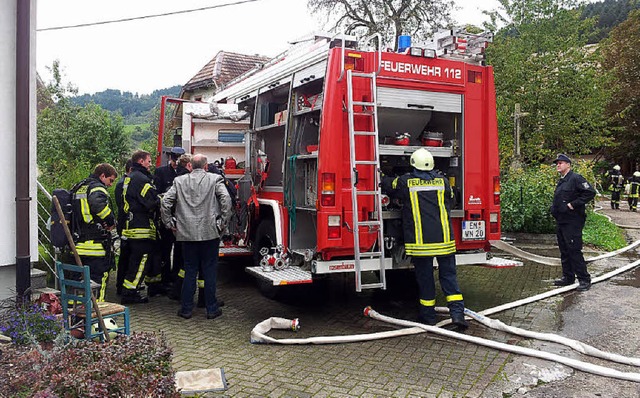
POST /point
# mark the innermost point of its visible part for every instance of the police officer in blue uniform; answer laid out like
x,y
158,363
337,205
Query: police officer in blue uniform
x,y
426,197
572,193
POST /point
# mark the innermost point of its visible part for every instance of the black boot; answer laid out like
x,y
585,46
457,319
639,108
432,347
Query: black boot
x,y
460,324
156,289
132,297
563,282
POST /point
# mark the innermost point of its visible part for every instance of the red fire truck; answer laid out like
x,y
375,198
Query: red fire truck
x,y
327,117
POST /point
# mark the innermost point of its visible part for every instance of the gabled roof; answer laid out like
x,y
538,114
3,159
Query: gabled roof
x,y
224,67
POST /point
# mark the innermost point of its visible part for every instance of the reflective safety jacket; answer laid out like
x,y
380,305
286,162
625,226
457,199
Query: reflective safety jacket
x,y
141,203
617,181
93,211
426,204
634,186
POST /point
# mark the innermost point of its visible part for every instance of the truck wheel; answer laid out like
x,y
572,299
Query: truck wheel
x,y
265,237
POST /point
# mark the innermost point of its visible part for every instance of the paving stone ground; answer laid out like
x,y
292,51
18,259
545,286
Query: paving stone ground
x,y
422,365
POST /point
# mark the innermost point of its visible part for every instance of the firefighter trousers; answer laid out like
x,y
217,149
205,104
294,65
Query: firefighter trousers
x,y
141,264
123,263
570,244
165,245
427,287
99,268
615,198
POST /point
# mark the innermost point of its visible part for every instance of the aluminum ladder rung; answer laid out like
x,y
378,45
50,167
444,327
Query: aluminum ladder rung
x,y
378,285
371,254
366,162
370,133
356,103
369,109
369,223
363,74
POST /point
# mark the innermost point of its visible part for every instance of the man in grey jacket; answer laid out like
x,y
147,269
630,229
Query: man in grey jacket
x,y
201,205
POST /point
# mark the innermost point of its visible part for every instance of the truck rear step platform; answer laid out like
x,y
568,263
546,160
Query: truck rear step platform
x,y
290,276
235,251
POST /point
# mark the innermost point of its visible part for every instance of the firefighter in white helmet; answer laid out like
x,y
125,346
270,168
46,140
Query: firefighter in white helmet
x,y
616,185
634,188
426,197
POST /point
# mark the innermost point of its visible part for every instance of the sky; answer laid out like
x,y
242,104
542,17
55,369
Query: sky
x,y
155,53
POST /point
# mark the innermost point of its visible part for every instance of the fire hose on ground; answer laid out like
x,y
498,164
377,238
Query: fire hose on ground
x,y
258,334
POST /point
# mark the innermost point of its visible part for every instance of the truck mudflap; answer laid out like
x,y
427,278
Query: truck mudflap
x,y
292,275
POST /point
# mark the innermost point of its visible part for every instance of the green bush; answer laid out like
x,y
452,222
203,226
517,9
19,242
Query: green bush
x,y
134,366
527,194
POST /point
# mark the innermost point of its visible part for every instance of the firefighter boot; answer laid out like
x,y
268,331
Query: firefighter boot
x,y
460,324
157,289
130,296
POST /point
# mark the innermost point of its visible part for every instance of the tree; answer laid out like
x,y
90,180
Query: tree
x,y
390,18
72,137
621,56
541,62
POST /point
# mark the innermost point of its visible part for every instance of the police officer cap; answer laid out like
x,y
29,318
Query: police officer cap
x,y
562,158
175,152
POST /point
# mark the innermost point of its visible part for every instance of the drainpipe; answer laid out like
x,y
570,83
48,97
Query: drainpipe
x,y
23,68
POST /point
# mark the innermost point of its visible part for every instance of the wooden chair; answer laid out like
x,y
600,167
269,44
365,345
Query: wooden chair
x,y
77,307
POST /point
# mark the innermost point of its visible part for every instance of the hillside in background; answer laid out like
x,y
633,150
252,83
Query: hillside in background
x,y
608,14
136,110
128,104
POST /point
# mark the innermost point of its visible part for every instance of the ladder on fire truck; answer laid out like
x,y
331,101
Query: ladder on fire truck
x,y
368,109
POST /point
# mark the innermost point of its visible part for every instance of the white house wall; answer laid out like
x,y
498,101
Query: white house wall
x,y
8,143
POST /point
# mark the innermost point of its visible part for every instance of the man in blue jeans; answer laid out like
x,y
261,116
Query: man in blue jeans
x,y
202,209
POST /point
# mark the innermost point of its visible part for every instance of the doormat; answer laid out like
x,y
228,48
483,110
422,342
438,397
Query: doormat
x,y
200,381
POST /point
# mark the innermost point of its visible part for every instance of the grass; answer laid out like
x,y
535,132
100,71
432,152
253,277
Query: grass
x,y
130,128
602,233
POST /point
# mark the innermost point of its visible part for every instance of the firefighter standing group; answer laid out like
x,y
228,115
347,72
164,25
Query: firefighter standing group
x,y
144,268
617,185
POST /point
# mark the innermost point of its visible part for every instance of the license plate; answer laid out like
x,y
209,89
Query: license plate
x,y
473,230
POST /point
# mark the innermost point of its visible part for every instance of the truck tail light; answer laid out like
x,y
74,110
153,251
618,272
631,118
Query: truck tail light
x,y
494,225
496,190
335,227
328,193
